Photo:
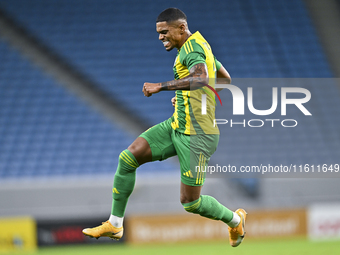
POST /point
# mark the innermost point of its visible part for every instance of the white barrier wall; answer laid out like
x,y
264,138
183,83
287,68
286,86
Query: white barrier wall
x,y
324,222
91,198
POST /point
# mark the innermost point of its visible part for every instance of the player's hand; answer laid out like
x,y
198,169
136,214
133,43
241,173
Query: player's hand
x,y
173,101
151,88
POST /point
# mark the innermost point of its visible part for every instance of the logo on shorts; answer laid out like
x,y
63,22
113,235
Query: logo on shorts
x,y
188,174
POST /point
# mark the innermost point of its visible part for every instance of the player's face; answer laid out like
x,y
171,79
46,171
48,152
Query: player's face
x,y
169,34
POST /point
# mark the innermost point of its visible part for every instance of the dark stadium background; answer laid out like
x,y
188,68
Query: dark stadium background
x,y
71,74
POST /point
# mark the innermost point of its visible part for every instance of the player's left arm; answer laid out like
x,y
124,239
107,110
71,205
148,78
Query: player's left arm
x,y
222,75
197,78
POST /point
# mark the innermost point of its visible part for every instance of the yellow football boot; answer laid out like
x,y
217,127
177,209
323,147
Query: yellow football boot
x,y
106,229
236,234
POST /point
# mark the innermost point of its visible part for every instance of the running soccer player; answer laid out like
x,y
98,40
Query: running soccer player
x,y
189,134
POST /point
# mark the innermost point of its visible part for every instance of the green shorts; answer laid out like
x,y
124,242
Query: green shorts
x,y
193,151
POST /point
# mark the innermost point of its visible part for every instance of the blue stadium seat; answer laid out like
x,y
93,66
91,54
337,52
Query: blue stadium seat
x,y
45,131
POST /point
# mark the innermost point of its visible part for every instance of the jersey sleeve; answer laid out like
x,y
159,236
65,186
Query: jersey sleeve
x,y
192,54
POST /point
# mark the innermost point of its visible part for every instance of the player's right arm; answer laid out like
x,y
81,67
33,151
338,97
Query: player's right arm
x,y
222,75
197,78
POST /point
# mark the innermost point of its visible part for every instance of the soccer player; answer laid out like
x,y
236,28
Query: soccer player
x,y
189,133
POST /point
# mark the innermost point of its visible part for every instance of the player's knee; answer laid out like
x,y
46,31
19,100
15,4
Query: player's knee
x,y
193,207
195,211
127,161
141,150
184,199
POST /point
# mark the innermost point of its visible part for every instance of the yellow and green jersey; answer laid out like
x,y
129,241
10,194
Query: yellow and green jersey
x,y
188,118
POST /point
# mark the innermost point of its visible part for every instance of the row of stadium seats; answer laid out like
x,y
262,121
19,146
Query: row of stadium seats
x,y
46,131
117,46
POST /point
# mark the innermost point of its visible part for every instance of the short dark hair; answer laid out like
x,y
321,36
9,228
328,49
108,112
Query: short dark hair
x,y
171,14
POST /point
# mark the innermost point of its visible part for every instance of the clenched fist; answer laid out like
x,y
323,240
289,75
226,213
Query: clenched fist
x,y
151,88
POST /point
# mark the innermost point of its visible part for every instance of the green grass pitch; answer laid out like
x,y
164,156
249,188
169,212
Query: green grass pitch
x,y
298,246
